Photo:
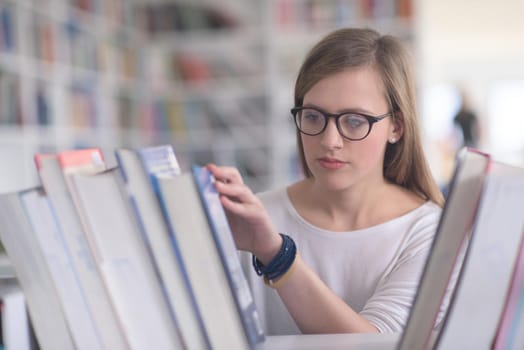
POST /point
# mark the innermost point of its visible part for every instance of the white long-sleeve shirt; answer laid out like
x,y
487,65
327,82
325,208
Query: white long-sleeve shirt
x,y
375,270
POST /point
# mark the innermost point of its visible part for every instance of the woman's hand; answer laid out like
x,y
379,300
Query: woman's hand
x,y
253,231
250,224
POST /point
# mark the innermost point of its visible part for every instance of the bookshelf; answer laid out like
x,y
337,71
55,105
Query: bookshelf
x,y
215,79
230,73
207,75
70,77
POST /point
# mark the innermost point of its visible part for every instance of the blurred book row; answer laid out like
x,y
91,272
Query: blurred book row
x,y
304,14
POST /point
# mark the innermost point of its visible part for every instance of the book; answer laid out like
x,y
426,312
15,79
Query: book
x,y
50,241
509,333
159,161
447,250
191,233
223,236
136,167
122,259
479,296
44,307
54,171
15,326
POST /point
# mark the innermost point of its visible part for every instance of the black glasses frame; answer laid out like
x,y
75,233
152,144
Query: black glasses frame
x,y
371,120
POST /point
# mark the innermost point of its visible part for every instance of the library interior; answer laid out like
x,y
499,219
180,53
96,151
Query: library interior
x,y
215,80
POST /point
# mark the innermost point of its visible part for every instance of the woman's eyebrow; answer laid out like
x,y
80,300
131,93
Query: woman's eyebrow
x,y
345,110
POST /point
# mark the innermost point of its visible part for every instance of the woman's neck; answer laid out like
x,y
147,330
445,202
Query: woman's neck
x,y
341,210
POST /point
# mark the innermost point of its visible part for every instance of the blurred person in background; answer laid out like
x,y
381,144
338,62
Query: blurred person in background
x,y
467,122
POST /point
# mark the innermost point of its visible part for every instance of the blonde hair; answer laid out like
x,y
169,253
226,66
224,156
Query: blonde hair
x,y
404,161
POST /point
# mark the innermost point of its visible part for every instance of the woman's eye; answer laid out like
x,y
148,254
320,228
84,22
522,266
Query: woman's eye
x,y
311,117
355,122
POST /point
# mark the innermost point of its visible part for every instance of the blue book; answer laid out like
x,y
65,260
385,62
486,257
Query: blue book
x,y
228,253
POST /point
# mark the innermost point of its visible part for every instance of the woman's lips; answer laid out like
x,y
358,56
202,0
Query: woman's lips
x,y
331,163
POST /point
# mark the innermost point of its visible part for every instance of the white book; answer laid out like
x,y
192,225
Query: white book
x,y
447,250
156,236
123,261
194,239
44,306
51,243
486,274
56,188
16,327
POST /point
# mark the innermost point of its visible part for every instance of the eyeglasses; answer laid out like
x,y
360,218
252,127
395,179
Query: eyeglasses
x,y
351,125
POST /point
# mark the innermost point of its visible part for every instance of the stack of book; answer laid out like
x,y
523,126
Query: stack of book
x,y
135,256
471,294
140,255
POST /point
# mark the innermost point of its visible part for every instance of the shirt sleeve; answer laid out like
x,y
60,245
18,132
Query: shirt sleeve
x,y
389,306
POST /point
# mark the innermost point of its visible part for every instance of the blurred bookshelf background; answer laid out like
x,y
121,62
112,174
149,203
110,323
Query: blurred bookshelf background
x,y
215,78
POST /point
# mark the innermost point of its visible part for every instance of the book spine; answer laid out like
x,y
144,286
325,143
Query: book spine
x,y
156,188
228,254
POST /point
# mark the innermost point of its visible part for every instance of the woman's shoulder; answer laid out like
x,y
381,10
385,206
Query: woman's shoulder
x,y
423,222
402,203
423,218
430,208
427,217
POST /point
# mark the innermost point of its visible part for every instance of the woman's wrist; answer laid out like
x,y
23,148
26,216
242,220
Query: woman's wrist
x,y
280,265
271,249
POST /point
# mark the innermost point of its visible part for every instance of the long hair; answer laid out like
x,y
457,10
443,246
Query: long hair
x,y
404,161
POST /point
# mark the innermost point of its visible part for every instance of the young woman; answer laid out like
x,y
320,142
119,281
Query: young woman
x,y
343,249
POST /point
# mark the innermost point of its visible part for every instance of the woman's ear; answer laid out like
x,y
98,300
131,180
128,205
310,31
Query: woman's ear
x,y
396,129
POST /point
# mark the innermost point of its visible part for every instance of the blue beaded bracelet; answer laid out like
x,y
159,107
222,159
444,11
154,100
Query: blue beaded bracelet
x,y
280,263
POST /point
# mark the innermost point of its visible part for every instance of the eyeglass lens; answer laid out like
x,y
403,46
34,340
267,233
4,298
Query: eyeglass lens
x,y
313,122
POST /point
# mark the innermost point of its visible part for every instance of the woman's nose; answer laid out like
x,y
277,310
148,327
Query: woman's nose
x,y
331,137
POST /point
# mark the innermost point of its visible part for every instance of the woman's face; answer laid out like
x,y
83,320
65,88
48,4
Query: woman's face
x,y
335,162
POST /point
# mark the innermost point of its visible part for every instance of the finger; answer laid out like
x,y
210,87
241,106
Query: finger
x,y
239,192
225,174
231,206
232,175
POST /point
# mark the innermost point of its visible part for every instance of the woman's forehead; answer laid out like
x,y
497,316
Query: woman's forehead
x,y
360,88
